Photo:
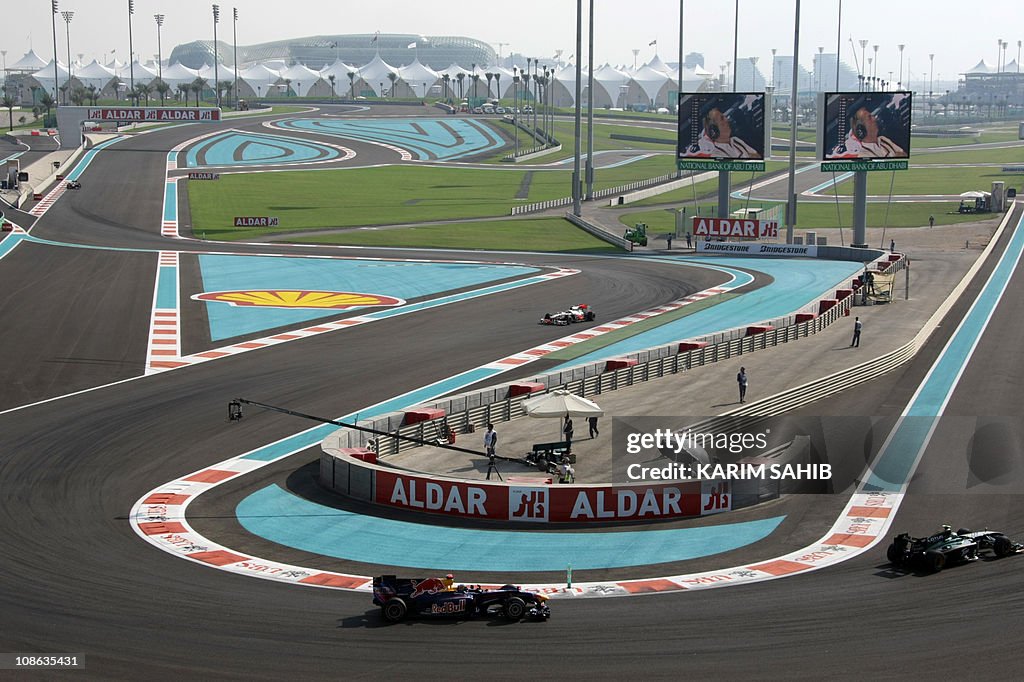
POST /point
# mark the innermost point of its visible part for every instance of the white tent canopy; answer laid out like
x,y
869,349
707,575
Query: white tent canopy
x,y
29,62
416,73
610,79
94,74
177,74
259,78
650,79
376,73
302,78
44,77
561,403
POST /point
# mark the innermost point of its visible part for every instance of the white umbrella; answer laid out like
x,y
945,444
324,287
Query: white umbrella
x,y
561,403
973,194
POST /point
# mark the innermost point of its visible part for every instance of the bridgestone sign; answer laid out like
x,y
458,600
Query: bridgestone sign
x,y
138,114
752,249
743,229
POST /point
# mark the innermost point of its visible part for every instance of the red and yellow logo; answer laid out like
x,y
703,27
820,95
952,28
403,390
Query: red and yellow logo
x,y
290,298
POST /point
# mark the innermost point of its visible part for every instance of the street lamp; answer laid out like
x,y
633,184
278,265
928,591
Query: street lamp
x,y
753,73
899,83
53,22
875,72
216,57
774,50
863,44
159,47
820,50
234,56
68,16
931,82
131,48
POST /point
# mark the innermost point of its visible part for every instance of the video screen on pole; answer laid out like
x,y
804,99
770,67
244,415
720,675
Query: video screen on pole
x,y
721,125
866,125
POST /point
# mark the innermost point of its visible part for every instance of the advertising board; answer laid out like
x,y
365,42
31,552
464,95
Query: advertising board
x,y
721,125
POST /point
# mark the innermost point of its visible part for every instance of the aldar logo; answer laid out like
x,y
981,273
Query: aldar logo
x,y
528,504
715,497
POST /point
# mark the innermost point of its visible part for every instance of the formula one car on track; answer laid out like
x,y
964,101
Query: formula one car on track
x,y
945,548
577,313
73,184
399,597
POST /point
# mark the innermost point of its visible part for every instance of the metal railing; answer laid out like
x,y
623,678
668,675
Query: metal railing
x,y
468,412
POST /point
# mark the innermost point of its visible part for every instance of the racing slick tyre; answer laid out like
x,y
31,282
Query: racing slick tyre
x,y
515,608
394,610
894,555
936,561
590,316
1002,546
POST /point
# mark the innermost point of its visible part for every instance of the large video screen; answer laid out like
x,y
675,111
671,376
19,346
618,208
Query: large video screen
x,y
721,125
866,125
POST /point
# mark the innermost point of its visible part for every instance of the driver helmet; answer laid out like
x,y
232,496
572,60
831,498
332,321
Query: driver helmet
x,y
947,530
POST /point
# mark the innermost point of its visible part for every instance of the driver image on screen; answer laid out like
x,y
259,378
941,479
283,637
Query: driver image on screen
x,y
869,132
720,136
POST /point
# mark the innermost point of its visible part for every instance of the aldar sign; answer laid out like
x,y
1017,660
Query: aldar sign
x,y
139,114
743,229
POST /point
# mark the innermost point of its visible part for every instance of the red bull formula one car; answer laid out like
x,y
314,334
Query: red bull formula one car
x,y
577,313
400,597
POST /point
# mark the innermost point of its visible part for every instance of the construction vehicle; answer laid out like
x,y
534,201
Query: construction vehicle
x,y
637,235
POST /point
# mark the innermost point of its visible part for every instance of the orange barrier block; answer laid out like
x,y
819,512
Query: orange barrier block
x,y
691,345
422,415
825,304
524,388
843,293
618,363
805,317
759,329
363,454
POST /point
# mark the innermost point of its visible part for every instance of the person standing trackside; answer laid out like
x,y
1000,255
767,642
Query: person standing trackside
x,y
931,221
490,440
592,422
567,430
741,379
892,246
856,332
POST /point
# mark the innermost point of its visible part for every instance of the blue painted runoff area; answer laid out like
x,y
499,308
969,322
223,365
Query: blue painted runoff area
x,y
171,201
167,288
403,280
240,149
797,283
8,243
277,515
895,465
427,138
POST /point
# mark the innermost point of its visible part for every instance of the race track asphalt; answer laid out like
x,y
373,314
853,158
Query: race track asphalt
x,y
74,577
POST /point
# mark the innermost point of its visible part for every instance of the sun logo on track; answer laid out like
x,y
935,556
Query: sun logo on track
x,y
294,298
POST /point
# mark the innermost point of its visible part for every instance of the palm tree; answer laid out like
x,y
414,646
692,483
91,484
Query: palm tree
x,y
332,78
142,91
162,88
78,95
198,86
225,87
497,85
352,84
183,90
46,100
490,77
93,94
64,91
392,77
115,83
8,103
446,78
287,86
476,79
461,77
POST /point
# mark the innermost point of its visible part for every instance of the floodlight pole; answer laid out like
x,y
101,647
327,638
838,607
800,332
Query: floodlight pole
x,y
131,48
159,47
576,208
56,78
839,40
216,70
234,56
679,87
590,108
791,191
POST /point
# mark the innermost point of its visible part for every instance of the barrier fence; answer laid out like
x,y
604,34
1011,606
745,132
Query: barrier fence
x,y
469,412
